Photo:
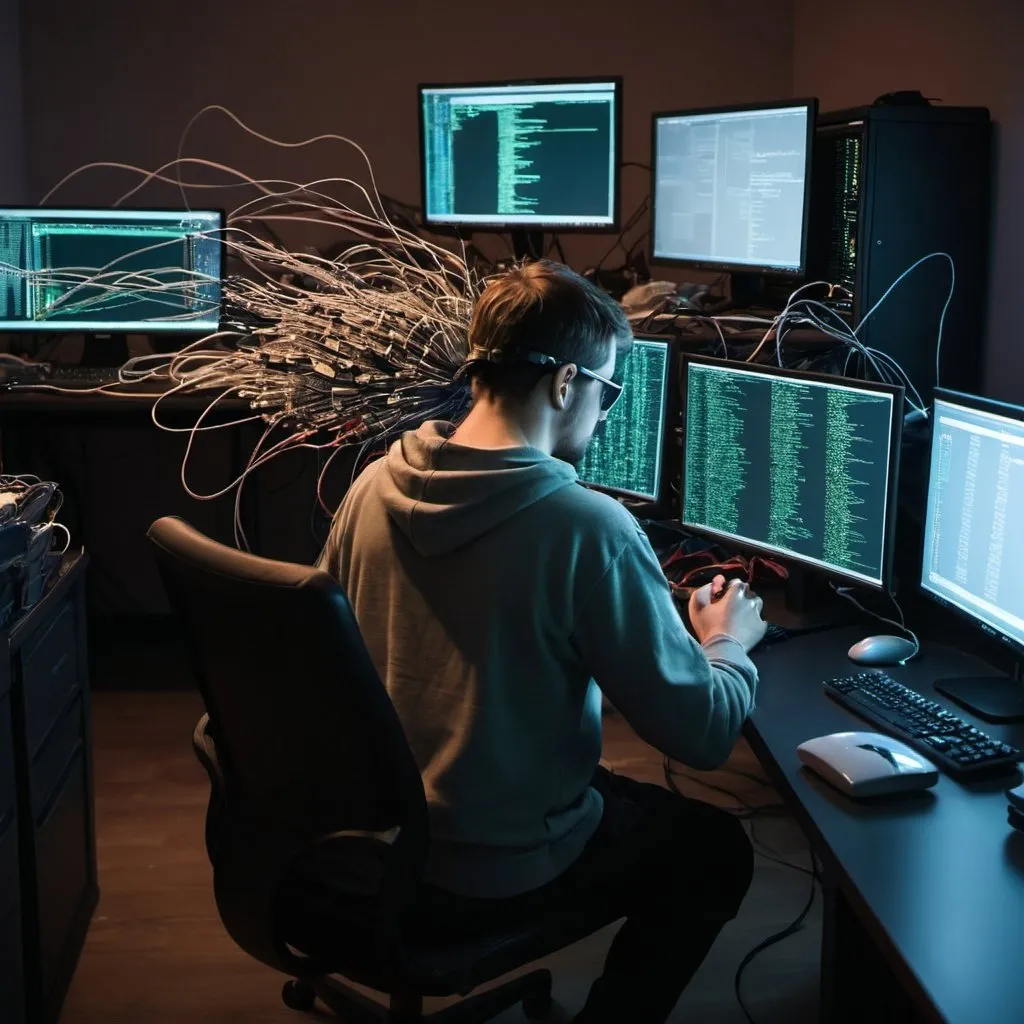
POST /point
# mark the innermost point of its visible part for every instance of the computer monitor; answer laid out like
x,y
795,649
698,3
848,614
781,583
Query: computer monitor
x,y
793,464
111,271
522,156
973,556
730,187
627,455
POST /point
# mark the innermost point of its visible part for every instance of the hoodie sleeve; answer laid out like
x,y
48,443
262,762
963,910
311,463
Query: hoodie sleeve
x,y
688,702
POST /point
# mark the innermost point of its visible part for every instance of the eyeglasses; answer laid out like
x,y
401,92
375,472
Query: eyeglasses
x,y
611,392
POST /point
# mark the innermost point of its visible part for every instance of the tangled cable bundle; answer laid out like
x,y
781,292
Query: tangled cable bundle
x,y
365,343
346,348
328,350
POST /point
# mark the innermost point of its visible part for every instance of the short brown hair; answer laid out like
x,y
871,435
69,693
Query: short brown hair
x,y
544,307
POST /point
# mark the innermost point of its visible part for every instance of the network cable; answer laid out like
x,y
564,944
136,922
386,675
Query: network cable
x,y
345,351
750,814
328,352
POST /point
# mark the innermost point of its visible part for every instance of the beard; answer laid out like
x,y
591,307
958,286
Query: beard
x,y
573,453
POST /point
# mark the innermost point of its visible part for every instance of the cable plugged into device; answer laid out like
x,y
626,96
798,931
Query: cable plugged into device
x,y
883,649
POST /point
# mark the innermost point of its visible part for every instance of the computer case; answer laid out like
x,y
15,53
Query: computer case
x,y
891,184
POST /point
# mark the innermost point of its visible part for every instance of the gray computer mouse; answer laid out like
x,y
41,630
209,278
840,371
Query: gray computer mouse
x,y
882,650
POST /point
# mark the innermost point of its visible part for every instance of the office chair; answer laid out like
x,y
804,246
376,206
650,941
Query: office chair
x,y
317,827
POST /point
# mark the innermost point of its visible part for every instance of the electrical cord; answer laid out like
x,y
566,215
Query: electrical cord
x,y
812,311
634,219
901,625
346,350
945,308
751,814
762,849
743,811
349,348
67,537
774,939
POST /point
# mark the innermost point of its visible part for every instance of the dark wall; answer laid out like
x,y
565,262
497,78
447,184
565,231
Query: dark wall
x,y
964,54
115,80
118,80
12,153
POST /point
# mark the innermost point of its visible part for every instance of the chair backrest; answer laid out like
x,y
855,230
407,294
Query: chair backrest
x,y
307,739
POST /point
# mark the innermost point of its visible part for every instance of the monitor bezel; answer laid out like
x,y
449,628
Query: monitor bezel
x,y
670,408
64,327
976,403
745,544
465,229
725,266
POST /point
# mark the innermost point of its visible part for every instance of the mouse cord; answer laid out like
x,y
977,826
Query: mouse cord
x,y
740,809
901,625
751,814
777,937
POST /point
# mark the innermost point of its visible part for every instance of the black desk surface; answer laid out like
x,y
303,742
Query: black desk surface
x,y
936,877
128,401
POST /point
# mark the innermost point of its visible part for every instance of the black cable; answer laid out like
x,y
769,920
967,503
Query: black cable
x,y
664,306
772,940
637,241
761,780
745,810
556,244
762,849
634,219
634,163
751,813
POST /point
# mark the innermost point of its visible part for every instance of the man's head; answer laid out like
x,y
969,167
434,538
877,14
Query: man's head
x,y
545,309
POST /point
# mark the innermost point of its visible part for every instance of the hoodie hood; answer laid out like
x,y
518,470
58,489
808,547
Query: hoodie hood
x,y
443,495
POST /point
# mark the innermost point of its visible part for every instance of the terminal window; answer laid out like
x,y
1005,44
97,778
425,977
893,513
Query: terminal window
x,y
523,154
627,450
974,546
730,187
798,467
110,270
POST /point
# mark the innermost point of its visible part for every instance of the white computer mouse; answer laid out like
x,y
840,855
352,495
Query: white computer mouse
x,y
882,650
862,764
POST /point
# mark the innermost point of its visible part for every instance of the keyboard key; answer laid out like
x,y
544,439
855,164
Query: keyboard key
x,y
953,743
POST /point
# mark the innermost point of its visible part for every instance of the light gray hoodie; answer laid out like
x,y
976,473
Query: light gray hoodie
x,y
493,590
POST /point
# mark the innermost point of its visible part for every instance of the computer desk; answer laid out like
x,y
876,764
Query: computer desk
x,y
924,893
27,415
27,407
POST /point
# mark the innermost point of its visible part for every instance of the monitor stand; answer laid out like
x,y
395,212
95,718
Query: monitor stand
x,y
528,245
806,604
994,698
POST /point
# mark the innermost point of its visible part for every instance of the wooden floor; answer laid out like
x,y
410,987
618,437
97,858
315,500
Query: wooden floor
x,y
157,954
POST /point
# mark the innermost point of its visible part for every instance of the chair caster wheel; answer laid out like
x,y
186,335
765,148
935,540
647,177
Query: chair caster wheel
x,y
537,1007
297,995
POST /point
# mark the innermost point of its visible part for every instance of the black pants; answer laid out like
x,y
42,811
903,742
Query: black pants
x,y
676,869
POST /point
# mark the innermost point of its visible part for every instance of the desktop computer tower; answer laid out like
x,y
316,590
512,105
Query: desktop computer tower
x,y
891,184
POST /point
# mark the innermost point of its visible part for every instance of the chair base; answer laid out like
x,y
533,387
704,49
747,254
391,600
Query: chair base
x,y
533,990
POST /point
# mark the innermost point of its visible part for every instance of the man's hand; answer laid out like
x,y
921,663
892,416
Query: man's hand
x,y
731,608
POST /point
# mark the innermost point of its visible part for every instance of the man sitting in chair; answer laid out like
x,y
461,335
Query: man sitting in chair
x,y
498,599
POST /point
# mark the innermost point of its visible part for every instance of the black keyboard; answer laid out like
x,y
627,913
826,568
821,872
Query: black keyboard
x,y
954,745
773,635
82,376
